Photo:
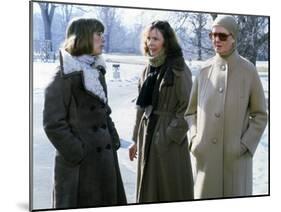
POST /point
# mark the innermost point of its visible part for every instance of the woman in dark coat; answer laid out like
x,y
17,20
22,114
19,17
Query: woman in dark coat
x,y
164,166
77,122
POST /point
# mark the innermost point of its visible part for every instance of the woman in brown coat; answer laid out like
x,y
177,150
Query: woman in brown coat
x,y
164,167
227,116
77,122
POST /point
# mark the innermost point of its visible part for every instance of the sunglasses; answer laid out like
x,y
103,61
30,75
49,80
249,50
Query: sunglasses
x,y
222,36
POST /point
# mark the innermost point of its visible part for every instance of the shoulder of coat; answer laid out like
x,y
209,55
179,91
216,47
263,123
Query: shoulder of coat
x,y
61,79
247,65
56,80
206,65
58,74
179,66
181,72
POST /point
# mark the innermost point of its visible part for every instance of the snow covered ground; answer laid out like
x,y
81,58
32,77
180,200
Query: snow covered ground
x,y
122,92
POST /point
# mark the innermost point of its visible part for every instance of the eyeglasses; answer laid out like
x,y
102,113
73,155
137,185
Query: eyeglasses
x,y
222,36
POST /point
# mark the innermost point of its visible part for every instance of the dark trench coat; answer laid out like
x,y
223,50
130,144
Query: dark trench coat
x,y
164,171
79,126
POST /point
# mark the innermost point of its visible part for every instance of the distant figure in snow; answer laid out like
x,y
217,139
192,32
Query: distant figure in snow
x,y
227,116
164,167
77,121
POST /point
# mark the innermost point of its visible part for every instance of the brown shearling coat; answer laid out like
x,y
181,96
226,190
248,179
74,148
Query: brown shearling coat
x,y
79,126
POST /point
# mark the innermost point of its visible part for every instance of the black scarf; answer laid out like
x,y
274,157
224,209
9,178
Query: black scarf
x,y
146,91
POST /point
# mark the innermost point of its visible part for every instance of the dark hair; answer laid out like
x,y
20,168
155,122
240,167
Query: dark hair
x,y
79,35
171,45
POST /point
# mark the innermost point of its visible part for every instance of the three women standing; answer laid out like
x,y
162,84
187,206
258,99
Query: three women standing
x,y
226,115
164,167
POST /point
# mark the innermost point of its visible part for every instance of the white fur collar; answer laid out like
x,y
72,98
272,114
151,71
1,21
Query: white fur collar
x,y
88,65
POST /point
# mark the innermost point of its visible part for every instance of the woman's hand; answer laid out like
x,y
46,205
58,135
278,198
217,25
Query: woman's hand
x,y
133,152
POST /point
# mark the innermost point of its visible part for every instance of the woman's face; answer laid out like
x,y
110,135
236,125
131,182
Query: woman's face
x,y
98,43
224,44
155,42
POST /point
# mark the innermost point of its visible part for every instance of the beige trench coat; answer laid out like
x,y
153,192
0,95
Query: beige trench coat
x,y
165,173
227,107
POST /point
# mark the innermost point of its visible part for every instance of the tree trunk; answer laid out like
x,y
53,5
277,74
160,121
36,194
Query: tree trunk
x,y
214,16
199,45
47,16
107,40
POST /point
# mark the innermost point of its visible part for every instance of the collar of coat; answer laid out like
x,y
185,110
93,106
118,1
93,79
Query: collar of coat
x,y
229,61
218,62
89,67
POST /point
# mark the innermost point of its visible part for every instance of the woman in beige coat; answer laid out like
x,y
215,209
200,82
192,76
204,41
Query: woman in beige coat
x,y
227,116
164,167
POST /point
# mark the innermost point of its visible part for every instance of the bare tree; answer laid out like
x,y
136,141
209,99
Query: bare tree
x,y
178,20
192,33
47,12
253,33
214,15
198,22
66,11
180,23
109,18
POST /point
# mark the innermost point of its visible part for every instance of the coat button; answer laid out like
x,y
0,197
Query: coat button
x,y
217,115
214,141
174,124
93,107
223,67
102,105
220,89
108,146
95,128
103,126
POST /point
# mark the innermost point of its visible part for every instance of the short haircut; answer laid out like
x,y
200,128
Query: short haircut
x,y
79,35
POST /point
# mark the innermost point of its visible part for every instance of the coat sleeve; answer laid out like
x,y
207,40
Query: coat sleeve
x,y
139,111
56,126
191,112
139,115
178,127
257,115
112,130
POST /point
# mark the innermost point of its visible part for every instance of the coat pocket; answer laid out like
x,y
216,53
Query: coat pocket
x,y
177,130
197,147
193,144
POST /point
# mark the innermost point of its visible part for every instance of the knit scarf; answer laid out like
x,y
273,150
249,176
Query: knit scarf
x,y
157,60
